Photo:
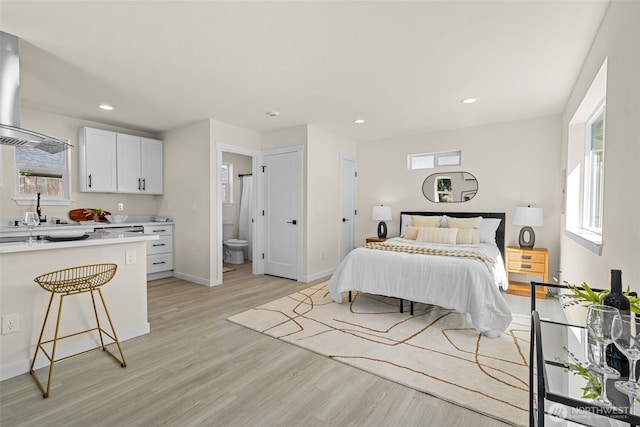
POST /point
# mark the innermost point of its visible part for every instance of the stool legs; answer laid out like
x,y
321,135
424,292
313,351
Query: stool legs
x,y
56,338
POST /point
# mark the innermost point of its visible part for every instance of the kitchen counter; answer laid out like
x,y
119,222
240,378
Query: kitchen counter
x,y
45,228
125,295
101,237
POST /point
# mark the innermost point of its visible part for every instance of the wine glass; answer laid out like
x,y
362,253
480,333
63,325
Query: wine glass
x,y
599,321
625,331
31,219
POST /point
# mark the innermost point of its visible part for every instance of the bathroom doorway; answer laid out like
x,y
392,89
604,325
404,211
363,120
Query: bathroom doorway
x,y
236,209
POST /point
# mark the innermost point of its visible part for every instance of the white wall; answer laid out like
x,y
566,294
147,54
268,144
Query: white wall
x,y
323,200
618,40
515,163
191,188
67,127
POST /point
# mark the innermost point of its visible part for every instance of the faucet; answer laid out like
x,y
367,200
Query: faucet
x,y
39,211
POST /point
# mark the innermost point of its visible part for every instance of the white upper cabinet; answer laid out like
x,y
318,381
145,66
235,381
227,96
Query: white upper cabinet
x,y
151,163
97,160
139,165
134,163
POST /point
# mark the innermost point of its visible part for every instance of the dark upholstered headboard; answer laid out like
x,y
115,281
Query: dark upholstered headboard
x,y
499,232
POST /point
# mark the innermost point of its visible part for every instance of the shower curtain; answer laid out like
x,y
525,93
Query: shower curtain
x,y
245,229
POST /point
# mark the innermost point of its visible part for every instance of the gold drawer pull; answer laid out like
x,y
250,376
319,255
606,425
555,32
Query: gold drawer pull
x,y
525,256
525,266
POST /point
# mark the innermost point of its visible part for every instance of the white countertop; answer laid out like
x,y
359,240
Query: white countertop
x,y
104,237
44,228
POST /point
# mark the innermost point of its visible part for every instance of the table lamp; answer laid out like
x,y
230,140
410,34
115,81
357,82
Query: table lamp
x,y
528,217
381,213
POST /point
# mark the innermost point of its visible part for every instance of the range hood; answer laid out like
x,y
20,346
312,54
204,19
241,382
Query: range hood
x,y
10,131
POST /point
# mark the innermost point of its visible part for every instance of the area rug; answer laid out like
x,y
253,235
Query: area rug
x,y
436,351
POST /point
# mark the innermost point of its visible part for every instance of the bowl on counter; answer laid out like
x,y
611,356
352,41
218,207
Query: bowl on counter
x,y
116,219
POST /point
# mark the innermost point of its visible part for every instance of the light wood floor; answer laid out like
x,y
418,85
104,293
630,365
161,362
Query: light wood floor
x,y
196,368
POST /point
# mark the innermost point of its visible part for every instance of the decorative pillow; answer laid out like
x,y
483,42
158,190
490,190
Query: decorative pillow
x,y
464,222
425,221
488,227
437,235
411,233
467,236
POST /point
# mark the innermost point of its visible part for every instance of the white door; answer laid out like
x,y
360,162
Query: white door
x,y
282,180
347,205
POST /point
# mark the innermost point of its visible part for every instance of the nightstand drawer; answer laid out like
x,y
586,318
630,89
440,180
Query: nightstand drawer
x,y
526,266
526,257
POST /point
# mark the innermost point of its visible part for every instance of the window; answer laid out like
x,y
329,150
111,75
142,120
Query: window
x,y
584,197
41,172
226,174
594,172
433,160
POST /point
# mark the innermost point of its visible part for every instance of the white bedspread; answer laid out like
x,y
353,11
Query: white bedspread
x,y
462,284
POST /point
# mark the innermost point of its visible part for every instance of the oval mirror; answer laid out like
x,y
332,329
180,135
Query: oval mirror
x,y
450,187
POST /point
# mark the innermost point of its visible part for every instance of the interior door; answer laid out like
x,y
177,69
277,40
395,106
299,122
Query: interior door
x,y
282,213
347,205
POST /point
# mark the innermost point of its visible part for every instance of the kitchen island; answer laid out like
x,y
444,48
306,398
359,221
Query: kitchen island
x,y
125,295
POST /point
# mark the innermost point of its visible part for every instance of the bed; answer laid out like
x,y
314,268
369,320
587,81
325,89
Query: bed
x,y
466,277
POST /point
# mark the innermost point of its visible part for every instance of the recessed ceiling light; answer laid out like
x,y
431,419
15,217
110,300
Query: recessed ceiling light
x,y
468,100
358,121
106,107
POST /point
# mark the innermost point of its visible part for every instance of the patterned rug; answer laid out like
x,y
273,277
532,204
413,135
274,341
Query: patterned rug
x,y
436,351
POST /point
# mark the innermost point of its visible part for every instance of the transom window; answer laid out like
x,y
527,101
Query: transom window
x,y
433,160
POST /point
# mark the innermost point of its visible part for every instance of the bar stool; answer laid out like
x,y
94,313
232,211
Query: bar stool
x,y
75,281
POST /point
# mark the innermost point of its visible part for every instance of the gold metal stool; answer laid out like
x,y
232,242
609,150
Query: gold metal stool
x,y
74,281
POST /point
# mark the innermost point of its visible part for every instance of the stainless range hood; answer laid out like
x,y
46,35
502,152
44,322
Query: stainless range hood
x,y
10,131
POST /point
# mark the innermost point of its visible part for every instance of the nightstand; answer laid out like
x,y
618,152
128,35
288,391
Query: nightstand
x,y
376,239
527,261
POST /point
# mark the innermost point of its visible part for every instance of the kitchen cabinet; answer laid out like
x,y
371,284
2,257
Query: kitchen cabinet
x,y
97,160
159,252
111,162
139,164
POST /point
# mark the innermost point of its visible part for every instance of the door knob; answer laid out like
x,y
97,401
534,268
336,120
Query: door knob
x,y
345,220
294,222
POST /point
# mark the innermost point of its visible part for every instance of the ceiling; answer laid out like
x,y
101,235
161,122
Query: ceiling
x,y
404,67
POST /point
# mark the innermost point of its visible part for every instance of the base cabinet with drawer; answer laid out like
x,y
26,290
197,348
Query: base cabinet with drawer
x,y
159,252
527,261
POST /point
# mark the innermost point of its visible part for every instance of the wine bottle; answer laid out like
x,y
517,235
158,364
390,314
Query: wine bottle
x,y
615,298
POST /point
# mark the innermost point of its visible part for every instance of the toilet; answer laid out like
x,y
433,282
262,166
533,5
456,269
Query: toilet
x,y
233,248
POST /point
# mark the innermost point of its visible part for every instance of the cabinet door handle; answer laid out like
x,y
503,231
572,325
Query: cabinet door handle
x,y
525,256
89,180
144,184
161,262
527,266
159,231
160,244
139,184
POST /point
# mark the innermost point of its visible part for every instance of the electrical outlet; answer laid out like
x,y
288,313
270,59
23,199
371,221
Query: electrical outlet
x,y
120,207
10,324
130,257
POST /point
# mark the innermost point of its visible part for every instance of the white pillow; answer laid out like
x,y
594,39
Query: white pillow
x,y
488,227
437,235
406,222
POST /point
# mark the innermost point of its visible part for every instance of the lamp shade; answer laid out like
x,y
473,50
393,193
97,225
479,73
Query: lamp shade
x,y
381,213
532,217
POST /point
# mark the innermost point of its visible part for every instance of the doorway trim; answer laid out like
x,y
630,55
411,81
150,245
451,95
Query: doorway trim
x,y
256,232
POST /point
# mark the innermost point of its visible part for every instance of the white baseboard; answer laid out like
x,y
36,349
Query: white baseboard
x,y
196,280
22,367
320,275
